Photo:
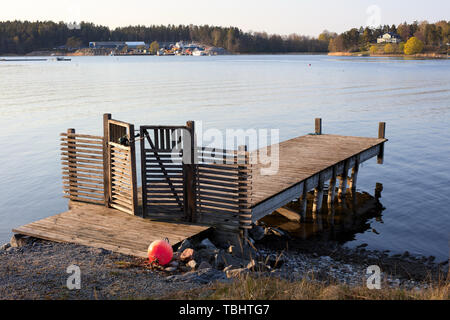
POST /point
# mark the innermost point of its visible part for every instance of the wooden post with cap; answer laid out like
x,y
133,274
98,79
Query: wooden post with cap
x,y
381,135
189,145
318,126
72,163
106,164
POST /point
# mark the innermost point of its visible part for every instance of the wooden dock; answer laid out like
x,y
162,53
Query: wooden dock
x,y
110,229
186,188
306,163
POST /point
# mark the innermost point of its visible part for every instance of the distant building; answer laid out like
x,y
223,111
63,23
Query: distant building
x,y
135,44
107,44
214,51
117,44
389,37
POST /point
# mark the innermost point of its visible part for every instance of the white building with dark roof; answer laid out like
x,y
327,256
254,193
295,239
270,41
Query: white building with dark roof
x,y
389,37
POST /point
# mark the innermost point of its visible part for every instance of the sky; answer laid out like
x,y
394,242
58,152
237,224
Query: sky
x,y
307,17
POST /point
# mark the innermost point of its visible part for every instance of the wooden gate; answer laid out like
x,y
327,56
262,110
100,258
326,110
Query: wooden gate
x,y
120,166
164,191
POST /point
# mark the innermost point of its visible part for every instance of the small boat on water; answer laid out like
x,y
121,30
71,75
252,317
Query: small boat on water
x,y
63,59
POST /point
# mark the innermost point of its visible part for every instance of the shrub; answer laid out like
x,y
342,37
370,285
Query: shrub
x,y
413,46
373,49
389,48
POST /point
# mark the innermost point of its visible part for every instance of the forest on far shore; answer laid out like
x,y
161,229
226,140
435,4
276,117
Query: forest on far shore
x,y
22,37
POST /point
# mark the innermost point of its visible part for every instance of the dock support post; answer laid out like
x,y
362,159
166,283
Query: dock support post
x,y
304,202
318,126
381,135
318,197
189,147
106,164
343,184
354,178
332,188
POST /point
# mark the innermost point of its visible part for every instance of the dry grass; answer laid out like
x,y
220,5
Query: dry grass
x,y
250,288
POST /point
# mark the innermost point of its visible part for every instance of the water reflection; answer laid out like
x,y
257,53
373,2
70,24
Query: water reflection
x,y
340,222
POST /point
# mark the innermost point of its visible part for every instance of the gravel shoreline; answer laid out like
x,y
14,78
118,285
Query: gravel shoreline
x,y
36,269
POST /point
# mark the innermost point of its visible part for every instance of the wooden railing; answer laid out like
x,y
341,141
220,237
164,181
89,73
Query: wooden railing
x,y
223,188
82,161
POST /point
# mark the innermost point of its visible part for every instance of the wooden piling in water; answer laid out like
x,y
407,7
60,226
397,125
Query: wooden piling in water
x,y
354,177
318,197
381,135
304,203
332,188
318,126
344,180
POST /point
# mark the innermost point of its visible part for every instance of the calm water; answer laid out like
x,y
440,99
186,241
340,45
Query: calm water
x,y
38,100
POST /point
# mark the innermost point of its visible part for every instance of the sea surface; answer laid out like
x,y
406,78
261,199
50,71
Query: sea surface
x,y
39,100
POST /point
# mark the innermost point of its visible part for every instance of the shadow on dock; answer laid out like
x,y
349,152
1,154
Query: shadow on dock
x,y
340,222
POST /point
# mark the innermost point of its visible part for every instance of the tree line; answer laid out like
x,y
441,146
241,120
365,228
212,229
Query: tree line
x,y
434,36
21,37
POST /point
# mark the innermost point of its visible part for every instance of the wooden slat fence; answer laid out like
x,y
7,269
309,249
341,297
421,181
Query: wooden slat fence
x,y
223,188
101,170
82,161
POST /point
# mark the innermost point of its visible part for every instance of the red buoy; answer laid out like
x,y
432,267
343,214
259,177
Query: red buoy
x,y
160,252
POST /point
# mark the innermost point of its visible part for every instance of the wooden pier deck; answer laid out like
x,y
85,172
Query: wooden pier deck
x,y
306,163
100,227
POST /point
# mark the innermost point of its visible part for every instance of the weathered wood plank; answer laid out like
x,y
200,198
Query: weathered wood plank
x,y
276,202
109,229
289,214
